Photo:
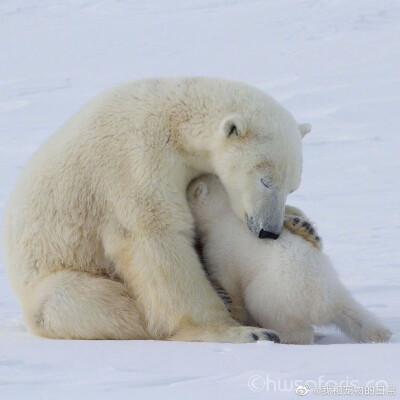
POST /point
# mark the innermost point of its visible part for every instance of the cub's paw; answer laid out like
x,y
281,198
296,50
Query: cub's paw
x,y
303,227
223,294
380,335
374,334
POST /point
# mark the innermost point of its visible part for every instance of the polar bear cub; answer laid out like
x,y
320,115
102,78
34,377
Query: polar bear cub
x,y
286,285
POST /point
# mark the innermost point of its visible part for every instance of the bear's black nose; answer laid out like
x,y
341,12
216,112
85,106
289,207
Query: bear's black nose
x,y
267,235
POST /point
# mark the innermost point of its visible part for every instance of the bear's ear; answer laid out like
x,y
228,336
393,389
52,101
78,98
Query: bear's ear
x,y
234,126
200,190
304,129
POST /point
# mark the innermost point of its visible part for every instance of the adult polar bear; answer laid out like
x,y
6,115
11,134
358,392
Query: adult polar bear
x,y
98,233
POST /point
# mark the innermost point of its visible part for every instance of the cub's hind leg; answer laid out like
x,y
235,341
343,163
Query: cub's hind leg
x,y
358,323
78,305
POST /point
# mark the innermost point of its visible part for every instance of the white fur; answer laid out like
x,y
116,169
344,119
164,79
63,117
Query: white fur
x,y
286,284
98,234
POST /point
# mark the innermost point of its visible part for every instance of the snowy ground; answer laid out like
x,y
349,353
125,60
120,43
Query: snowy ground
x,y
333,63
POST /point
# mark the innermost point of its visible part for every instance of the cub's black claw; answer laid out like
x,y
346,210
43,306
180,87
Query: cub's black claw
x,y
255,337
272,337
306,225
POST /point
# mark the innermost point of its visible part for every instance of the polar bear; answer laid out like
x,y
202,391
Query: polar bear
x,y
287,285
98,235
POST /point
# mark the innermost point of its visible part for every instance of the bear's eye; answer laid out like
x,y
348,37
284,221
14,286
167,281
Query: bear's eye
x,y
266,183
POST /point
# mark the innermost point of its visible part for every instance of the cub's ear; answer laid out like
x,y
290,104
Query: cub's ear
x,y
304,129
234,126
199,190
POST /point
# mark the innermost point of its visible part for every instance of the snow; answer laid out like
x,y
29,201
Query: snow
x,y
334,63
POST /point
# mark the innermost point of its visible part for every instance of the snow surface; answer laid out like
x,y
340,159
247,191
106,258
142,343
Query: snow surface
x,y
333,63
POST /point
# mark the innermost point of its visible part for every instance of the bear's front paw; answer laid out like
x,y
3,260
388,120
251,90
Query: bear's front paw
x,y
265,334
303,227
248,334
225,334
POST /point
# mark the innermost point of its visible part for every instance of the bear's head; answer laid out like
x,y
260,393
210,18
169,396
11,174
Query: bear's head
x,y
258,157
207,200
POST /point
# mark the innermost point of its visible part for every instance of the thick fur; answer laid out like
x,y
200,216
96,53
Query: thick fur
x,y
287,285
98,235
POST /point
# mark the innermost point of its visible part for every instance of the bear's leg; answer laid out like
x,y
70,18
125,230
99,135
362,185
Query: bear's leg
x,y
77,305
173,290
358,323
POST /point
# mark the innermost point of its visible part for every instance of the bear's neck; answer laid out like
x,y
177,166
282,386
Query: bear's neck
x,y
194,143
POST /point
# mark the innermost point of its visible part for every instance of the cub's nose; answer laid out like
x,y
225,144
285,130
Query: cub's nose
x,y
267,235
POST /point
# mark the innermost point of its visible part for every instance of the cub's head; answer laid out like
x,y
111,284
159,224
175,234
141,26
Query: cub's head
x,y
258,157
207,199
